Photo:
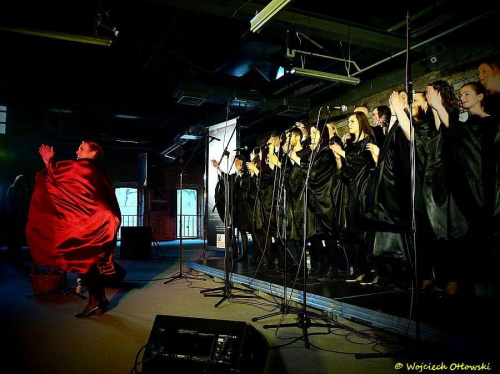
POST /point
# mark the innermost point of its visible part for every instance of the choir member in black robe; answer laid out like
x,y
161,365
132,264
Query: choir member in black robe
x,y
320,170
355,176
474,150
293,184
241,208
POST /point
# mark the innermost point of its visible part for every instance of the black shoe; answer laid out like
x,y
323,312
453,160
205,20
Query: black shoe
x,y
98,310
370,278
356,276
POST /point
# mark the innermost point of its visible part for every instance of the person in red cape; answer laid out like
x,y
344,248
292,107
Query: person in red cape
x,y
73,220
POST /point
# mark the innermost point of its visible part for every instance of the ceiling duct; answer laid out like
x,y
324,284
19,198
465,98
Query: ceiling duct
x,y
191,100
293,108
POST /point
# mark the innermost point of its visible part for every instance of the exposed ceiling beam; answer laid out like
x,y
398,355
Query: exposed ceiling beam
x,y
313,25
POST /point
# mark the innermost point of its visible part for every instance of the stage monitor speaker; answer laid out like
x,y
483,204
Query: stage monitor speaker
x,y
135,243
200,345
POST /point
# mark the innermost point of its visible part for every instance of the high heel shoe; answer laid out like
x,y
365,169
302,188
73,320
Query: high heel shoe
x,y
98,311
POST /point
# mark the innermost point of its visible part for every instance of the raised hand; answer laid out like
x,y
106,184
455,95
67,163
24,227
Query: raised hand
x,y
47,152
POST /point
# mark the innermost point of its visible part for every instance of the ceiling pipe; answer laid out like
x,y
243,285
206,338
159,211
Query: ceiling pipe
x,y
420,44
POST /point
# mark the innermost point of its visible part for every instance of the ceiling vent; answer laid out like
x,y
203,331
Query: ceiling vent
x,y
293,108
191,100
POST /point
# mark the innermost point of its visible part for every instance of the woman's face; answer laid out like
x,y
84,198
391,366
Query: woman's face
x,y
238,164
468,97
314,136
404,98
419,101
484,72
331,130
353,125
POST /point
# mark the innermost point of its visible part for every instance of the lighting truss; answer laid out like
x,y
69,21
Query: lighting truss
x,y
325,76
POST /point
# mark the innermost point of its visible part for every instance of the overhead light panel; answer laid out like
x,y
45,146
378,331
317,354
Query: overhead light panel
x,y
191,137
269,11
87,39
325,76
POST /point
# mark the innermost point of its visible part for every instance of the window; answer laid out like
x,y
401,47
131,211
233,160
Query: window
x,y
127,200
3,119
189,212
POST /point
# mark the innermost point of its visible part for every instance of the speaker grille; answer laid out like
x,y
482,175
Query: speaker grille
x,y
198,345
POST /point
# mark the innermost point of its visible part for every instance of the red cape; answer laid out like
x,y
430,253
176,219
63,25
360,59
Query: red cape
x,y
74,217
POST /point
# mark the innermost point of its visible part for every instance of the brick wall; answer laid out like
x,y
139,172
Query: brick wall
x,y
455,76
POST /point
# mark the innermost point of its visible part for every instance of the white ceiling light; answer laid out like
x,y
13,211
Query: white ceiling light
x,y
87,39
269,11
325,76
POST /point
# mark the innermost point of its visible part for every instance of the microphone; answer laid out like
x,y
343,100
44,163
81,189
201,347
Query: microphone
x,y
290,129
242,148
342,108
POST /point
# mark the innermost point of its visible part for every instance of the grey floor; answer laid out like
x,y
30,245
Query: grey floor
x,y
41,335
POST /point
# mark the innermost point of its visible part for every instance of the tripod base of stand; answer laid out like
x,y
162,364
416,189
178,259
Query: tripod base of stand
x,y
283,309
226,294
304,323
181,275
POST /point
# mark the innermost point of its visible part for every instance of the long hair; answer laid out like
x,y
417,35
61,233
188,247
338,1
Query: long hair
x,y
256,159
364,125
448,97
423,115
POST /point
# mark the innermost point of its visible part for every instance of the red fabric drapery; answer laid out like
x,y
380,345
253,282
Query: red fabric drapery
x,y
74,217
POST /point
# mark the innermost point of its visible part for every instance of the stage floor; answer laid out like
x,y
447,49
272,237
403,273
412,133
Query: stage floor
x,y
464,322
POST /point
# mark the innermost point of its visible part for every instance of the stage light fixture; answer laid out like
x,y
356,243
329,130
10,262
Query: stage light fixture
x,y
87,39
269,11
325,76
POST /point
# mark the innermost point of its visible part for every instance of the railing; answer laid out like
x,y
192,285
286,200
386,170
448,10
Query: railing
x,y
190,225
132,220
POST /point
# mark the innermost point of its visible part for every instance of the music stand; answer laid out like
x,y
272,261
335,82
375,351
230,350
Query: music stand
x,y
228,225
181,274
304,320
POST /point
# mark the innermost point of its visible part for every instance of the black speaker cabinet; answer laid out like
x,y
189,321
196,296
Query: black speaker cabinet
x,y
199,345
135,243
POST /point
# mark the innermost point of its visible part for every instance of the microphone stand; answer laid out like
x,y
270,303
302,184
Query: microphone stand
x,y
304,315
180,274
284,307
226,289
415,298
